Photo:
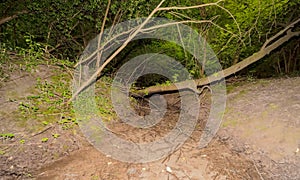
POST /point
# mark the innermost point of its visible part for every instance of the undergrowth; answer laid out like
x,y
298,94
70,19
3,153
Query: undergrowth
x,y
47,103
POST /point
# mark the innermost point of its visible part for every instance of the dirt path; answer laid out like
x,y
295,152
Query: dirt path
x,y
264,116
259,139
217,161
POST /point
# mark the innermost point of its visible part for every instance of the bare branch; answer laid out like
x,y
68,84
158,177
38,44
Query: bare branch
x,y
181,40
116,20
180,15
99,70
188,7
94,53
149,29
203,5
175,23
100,35
280,33
185,22
155,27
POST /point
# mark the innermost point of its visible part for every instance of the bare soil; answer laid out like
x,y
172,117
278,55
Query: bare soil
x,y
259,138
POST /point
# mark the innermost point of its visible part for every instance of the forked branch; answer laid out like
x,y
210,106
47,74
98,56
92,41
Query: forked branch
x,y
99,70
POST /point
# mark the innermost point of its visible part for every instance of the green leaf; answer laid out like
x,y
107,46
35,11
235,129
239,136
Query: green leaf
x,y
44,139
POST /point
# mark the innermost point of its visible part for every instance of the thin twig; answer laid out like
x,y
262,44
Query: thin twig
x,y
188,7
235,21
261,177
42,131
181,41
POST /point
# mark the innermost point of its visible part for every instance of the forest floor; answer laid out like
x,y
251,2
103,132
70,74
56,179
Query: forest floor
x,y
259,137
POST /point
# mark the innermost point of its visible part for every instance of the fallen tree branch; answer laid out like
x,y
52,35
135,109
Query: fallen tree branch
x,y
229,71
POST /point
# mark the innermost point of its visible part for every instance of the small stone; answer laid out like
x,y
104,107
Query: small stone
x,y
168,169
131,171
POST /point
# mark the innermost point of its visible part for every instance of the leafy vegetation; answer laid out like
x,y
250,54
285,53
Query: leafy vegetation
x,y
55,33
63,28
7,135
44,139
48,100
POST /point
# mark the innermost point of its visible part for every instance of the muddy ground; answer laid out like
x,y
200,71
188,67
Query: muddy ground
x,y
259,137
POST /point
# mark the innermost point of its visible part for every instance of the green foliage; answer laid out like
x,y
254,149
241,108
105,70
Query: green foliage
x,y
4,59
47,103
68,123
27,108
33,51
45,139
103,100
22,141
7,135
63,28
45,123
55,135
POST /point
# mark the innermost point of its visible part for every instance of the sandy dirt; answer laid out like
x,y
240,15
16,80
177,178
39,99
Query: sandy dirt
x,y
259,138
